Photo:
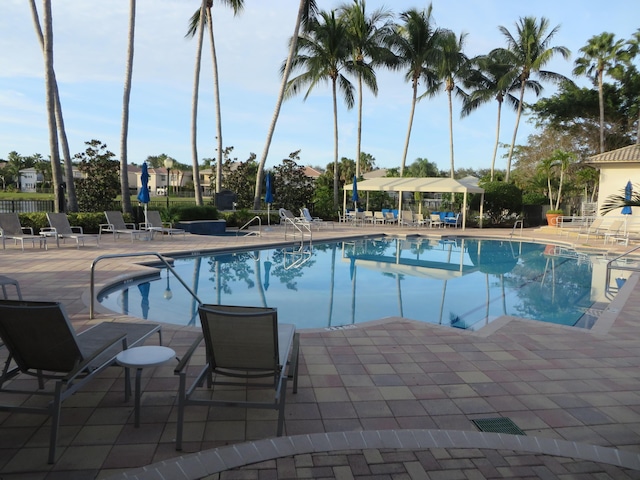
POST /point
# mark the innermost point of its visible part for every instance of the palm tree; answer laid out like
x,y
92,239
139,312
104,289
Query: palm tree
x,y
324,51
197,25
634,51
306,9
49,81
492,77
601,54
194,101
68,165
124,133
451,64
414,43
368,35
530,49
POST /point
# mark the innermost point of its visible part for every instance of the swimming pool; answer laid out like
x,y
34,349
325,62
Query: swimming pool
x,y
458,282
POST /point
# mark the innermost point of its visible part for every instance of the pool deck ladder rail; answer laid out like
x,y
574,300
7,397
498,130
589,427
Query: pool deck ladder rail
x,y
139,254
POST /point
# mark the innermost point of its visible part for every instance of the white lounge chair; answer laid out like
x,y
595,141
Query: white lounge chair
x,y
59,228
117,226
11,229
155,225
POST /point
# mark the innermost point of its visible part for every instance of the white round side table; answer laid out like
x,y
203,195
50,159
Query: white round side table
x,y
139,358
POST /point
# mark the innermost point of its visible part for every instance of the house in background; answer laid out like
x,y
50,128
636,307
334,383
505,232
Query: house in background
x,y
158,179
617,167
30,179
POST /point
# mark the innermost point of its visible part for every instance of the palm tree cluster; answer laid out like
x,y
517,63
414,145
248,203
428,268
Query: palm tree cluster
x,y
347,44
344,48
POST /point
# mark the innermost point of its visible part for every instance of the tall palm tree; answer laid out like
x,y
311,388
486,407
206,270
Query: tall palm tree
x,y
368,35
49,79
124,133
72,200
634,51
324,52
601,54
194,100
451,65
414,43
492,77
530,49
197,25
306,10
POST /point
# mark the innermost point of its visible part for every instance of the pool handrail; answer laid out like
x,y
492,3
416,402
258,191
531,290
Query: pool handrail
x,y
627,268
138,254
253,232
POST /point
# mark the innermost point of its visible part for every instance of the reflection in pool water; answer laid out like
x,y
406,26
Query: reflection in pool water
x,y
463,283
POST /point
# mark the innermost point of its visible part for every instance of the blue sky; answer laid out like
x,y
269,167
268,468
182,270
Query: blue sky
x,y
89,57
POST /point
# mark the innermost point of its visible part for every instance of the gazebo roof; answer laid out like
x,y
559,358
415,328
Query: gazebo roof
x,y
630,154
418,184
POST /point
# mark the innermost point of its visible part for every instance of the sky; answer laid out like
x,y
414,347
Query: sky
x,y
90,41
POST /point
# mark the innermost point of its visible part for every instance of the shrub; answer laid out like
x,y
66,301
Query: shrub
x,y
534,198
501,200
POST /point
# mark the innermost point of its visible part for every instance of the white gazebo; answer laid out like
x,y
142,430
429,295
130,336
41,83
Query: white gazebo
x,y
421,184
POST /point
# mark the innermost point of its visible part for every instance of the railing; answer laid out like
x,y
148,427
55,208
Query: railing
x,y
26,206
515,225
140,254
628,265
296,257
253,232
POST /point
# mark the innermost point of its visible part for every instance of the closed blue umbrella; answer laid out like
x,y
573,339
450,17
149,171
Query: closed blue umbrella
x,y
144,293
268,197
143,193
354,194
628,191
267,270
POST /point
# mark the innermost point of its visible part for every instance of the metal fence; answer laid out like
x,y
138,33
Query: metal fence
x,y
26,206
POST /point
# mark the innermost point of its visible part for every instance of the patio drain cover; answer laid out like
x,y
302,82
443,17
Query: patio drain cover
x,y
498,425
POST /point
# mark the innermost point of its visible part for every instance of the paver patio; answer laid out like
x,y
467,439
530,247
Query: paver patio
x,y
386,384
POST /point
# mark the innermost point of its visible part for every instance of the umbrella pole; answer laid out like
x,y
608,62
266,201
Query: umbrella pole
x,y
268,217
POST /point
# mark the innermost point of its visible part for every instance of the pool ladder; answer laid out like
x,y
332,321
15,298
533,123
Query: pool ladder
x,y
629,266
251,232
515,226
140,254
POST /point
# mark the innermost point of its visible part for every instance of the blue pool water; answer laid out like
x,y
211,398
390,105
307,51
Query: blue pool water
x,y
462,283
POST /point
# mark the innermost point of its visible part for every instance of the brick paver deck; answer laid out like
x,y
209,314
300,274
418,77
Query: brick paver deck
x,y
391,399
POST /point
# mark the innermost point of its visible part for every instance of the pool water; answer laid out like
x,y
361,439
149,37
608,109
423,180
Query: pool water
x,y
457,282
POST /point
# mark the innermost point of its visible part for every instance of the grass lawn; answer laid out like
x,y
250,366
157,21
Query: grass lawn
x,y
155,201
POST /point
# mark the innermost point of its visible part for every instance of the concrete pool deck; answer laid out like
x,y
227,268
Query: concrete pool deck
x,y
394,397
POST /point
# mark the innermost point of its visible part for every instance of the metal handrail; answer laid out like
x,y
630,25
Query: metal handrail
x,y
249,223
139,254
627,268
515,225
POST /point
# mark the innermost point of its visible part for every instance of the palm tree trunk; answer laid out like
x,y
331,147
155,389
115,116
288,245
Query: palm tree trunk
x,y
272,127
124,174
194,107
515,130
414,100
451,132
601,102
216,92
359,138
495,148
71,190
49,79
336,200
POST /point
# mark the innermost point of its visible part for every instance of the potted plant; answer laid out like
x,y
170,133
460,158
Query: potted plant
x,y
552,216
558,161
